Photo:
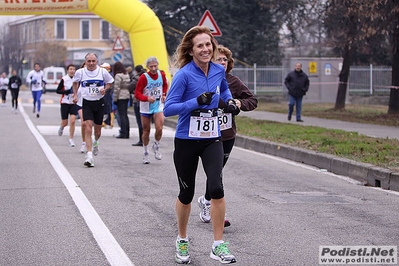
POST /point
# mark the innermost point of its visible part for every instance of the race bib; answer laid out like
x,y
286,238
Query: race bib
x,y
156,93
203,124
93,87
225,120
14,85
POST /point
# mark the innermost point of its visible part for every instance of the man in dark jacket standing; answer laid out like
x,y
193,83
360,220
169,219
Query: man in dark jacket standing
x,y
297,83
139,69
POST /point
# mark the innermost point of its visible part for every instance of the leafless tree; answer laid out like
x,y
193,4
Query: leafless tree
x,y
12,48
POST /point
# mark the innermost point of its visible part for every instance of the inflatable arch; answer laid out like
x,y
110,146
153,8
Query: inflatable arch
x,y
133,16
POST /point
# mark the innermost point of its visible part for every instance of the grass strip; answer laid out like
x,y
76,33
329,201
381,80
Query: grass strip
x,y
350,145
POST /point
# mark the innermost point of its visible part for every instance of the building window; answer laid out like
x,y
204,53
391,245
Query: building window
x,y
85,29
104,30
60,29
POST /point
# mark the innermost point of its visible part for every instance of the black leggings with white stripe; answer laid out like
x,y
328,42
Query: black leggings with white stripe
x,y
186,157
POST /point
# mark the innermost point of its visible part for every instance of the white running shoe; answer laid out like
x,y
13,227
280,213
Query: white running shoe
x,y
222,253
155,149
96,145
71,143
182,255
146,158
83,148
60,131
205,213
89,162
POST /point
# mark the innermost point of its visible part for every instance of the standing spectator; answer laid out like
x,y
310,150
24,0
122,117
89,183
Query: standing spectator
x,y
129,70
194,96
109,116
245,101
121,98
139,69
297,83
3,88
35,81
14,84
68,107
151,92
94,82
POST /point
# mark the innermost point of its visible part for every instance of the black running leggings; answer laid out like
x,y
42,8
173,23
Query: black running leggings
x,y
227,147
186,156
14,98
3,95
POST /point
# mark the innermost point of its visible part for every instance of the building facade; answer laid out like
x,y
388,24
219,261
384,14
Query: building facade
x,y
78,33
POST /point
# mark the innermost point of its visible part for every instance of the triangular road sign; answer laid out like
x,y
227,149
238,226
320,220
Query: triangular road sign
x,y
118,46
208,21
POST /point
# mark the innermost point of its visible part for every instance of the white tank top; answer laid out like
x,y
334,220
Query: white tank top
x,y
91,82
68,99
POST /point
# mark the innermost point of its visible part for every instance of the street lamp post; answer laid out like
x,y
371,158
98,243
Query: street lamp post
x,y
24,62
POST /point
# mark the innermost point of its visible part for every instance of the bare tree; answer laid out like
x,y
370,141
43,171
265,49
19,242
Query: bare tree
x,y
12,48
51,54
352,28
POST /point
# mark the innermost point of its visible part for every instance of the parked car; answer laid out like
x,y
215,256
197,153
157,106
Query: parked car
x,y
52,77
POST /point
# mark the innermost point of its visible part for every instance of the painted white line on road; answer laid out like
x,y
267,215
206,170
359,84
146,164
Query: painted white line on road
x,y
47,130
115,255
44,104
308,167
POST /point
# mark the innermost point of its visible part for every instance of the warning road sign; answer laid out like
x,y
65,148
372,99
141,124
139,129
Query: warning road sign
x,y
312,67
208,21
118,46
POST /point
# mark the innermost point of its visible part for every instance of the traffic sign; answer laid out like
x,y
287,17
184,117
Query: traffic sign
x,y
312,67
117,57
327,69
118,46
208,21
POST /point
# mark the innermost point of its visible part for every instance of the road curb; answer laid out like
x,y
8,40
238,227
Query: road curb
x,y
369,174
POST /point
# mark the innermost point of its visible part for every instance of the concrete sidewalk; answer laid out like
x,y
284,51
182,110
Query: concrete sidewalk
x,y
367,173
364,129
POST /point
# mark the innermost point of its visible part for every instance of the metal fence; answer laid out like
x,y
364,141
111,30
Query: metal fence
x,y
264,80
370,80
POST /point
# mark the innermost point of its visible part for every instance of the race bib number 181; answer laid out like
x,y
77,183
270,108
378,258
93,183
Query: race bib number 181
x,y
203,127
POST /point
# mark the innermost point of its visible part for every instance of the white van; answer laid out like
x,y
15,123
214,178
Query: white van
x,y
52,77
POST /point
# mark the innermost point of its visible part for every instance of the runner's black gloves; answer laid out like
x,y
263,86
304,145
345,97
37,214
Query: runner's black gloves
x,y
205,98
232,107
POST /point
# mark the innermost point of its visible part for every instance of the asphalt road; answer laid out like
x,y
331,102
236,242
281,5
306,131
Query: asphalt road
x,y
55,211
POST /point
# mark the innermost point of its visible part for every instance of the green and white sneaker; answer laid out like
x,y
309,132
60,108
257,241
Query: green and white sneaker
x,y
96,145
182,256
222,253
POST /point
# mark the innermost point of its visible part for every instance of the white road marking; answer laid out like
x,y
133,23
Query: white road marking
x,y
115,255
312,168
47,130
